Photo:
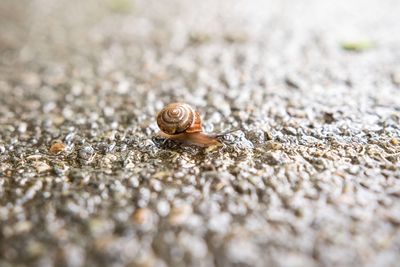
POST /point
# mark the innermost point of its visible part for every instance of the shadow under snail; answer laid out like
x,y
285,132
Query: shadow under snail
x,y
180,122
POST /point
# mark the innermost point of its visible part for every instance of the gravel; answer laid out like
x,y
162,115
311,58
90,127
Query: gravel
x,y
309,170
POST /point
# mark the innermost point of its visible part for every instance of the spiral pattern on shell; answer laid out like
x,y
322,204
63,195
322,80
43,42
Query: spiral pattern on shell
x,y
176,118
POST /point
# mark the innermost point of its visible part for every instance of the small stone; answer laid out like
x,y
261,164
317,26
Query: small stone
x,y
294,82
394,141
290,131
22,127
329,117
35,249
23,226
108,160
86,152
142,215
393,217
220,223
272,145
99,226
41,166
235,37
57,148
274,158
2,149
241,251
31,79
34,157
256,137
60,168
163,208
78,176
180,214
195,245
396,77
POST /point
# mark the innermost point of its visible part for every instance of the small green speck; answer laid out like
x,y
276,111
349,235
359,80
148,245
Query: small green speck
x,y
358,46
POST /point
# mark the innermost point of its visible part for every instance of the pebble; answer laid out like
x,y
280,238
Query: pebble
x,y
393,141
163,208
241,251
22,127
60,168
256,136
195,245
142,216
86,152
220,223
396,78
2,149
180,214
41,166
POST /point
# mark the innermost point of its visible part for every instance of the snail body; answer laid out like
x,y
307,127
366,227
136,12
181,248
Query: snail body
x,y
180,122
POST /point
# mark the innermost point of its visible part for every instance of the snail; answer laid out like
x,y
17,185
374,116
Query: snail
x,y
180,122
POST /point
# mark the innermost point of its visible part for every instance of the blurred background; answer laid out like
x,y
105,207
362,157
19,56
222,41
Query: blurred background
x,y
310,177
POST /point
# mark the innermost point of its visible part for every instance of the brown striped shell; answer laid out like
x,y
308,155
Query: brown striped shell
x,y
179,118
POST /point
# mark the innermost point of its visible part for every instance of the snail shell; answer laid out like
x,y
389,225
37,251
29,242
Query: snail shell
x,y
180,122
177,118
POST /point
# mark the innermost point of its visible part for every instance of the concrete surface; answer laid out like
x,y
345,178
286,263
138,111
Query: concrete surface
x,y
308,92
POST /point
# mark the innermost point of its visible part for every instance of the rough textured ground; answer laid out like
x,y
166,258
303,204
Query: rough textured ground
x,y
310,175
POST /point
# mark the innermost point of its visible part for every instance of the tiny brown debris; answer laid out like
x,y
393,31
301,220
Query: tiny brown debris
x,y
56,148
272,145
318,153
392,217
141,216
394,141
235,37
395,78
329,117
199,38
218,186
